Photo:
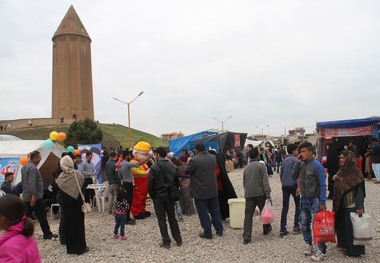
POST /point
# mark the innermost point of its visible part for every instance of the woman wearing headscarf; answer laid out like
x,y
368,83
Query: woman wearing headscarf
x,y
349,194
332,165
225,187
186,202
72,207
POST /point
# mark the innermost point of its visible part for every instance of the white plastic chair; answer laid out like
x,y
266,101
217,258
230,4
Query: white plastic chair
x,y
106,191
51,210
97,199
103,194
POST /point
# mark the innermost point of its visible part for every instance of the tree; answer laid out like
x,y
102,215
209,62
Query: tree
x,y
83,132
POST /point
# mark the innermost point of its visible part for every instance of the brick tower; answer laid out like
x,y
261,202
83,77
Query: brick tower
x,y
72,74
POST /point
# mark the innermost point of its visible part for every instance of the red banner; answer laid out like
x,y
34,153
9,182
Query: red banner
x,y
237,140
346,132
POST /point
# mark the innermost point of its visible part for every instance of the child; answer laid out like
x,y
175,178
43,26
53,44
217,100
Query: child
x,y
17,243
121,208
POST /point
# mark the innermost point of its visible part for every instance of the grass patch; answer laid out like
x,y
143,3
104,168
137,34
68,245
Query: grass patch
x,y
113,135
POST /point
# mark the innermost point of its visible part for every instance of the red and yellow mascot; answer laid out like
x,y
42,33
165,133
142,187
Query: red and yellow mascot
x,y
142,152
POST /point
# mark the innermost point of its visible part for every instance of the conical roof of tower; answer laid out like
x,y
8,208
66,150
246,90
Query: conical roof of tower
x,y
71,25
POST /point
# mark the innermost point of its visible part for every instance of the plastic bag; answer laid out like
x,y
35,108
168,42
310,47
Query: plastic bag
x,y
267,215
362,229
324,229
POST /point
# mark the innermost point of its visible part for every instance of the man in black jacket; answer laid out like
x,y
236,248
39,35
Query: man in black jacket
x,y
162,175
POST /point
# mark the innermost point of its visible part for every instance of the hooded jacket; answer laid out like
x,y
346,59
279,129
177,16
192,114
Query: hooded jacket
x,y
17,248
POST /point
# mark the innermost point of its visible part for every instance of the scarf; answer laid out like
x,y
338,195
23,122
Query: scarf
x,y
66,180
350,177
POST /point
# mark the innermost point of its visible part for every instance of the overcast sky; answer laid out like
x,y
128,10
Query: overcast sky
x,y
279,63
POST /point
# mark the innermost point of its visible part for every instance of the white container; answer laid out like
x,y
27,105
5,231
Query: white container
x,y
237,212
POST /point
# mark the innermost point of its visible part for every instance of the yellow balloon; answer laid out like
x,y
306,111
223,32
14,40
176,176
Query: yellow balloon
x,y
53,135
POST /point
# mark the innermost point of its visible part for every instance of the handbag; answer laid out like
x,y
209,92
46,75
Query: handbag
x,y
173,190
362,229
86,207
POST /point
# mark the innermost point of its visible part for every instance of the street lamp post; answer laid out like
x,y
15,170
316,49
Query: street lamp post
x,y
262,129
222,122
129,116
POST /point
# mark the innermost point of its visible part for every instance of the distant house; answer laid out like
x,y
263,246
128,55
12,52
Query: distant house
x,y
169,136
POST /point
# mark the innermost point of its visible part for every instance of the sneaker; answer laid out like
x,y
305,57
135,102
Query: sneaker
x,y
284,233
296,230
318,256
124,238
246,241
116,236
308,249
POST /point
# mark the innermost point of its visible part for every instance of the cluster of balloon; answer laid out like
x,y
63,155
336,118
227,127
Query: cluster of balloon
x,y
54,136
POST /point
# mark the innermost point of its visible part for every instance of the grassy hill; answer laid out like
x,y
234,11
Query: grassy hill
x,y
113,135
119,134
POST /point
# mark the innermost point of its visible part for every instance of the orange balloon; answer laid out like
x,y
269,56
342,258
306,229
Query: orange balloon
x,y
24,161
61,136
76,152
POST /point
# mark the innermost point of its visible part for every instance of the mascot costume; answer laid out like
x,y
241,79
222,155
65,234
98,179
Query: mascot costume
x,y
142,152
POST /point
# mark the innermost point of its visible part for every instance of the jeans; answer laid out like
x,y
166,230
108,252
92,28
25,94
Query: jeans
x,y
286,192
120,221
376,170
204,207
163,208
250,206
278,166
40,212
178,208
309,206
113,193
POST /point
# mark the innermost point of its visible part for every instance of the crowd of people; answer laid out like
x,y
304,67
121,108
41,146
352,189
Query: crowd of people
x,y
204,188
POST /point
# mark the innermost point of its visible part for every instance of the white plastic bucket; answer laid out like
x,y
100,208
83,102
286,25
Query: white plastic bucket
x,y
237,212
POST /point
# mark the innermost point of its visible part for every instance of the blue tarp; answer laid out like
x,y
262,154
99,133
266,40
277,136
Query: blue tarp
x,y
176,146
211,140
348,123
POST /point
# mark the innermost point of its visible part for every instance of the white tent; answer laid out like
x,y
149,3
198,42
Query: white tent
x,y
5,137
254,143
21,148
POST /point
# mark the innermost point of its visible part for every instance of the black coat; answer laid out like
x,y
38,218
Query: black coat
x,y
159,183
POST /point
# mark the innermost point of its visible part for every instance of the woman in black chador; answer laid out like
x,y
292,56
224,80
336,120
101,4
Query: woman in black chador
x,y
225,188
